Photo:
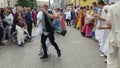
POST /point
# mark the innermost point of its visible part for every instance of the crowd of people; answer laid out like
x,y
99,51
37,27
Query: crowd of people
x,y
22,19
95,22
87,19
90,20
19,19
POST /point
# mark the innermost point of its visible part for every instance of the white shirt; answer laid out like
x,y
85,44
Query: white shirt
x,y
39,15
39,20
9,19
114,17
103,15
68,15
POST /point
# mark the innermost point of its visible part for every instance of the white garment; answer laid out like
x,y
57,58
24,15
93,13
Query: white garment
x,y
39,19
76,10
39,15
104,49
114,17
9,19
112,1
68,15
20,34
113,59
39,29
103,31
105,36
114,37
98,32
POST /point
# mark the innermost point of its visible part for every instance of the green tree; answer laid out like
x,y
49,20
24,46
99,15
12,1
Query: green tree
x,y
24,3
27,3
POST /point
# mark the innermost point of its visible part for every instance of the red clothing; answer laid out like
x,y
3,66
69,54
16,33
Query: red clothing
x,y
63,23
82,20
34,14
19,22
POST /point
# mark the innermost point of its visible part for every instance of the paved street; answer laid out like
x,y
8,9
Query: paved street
x,y
77,52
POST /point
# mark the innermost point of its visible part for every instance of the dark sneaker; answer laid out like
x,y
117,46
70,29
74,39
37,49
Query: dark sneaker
x,y
44,57
59,53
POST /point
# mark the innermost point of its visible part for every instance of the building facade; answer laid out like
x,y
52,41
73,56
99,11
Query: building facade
x,y
87,2
56,3
42,2
10,3
1,3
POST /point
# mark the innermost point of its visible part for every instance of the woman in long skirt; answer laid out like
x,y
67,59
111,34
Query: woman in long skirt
x,y
63,26
79,19
89,22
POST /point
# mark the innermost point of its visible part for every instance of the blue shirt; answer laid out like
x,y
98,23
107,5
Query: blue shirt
x,y
28,18
96,9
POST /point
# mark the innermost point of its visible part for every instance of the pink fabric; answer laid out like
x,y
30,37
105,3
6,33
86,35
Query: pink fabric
x,y
89,29
90,26
63,26
90,18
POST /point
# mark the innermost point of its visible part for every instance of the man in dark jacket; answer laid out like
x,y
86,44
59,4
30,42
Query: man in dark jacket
x,y
48,32
29,21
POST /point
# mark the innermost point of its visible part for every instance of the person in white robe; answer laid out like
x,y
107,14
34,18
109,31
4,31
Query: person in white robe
x,y
105,36
101,17
113,41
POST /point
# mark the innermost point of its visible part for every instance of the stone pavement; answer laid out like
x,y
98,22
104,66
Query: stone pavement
x,y
77,52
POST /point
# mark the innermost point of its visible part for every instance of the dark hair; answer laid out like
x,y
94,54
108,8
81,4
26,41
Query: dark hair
x,y
88,7
1,10
81,7
84,7
58,9
75,7
10,10
94,3
91,7
101,2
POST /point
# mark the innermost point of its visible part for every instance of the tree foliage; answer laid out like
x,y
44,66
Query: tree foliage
x,y
26,3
